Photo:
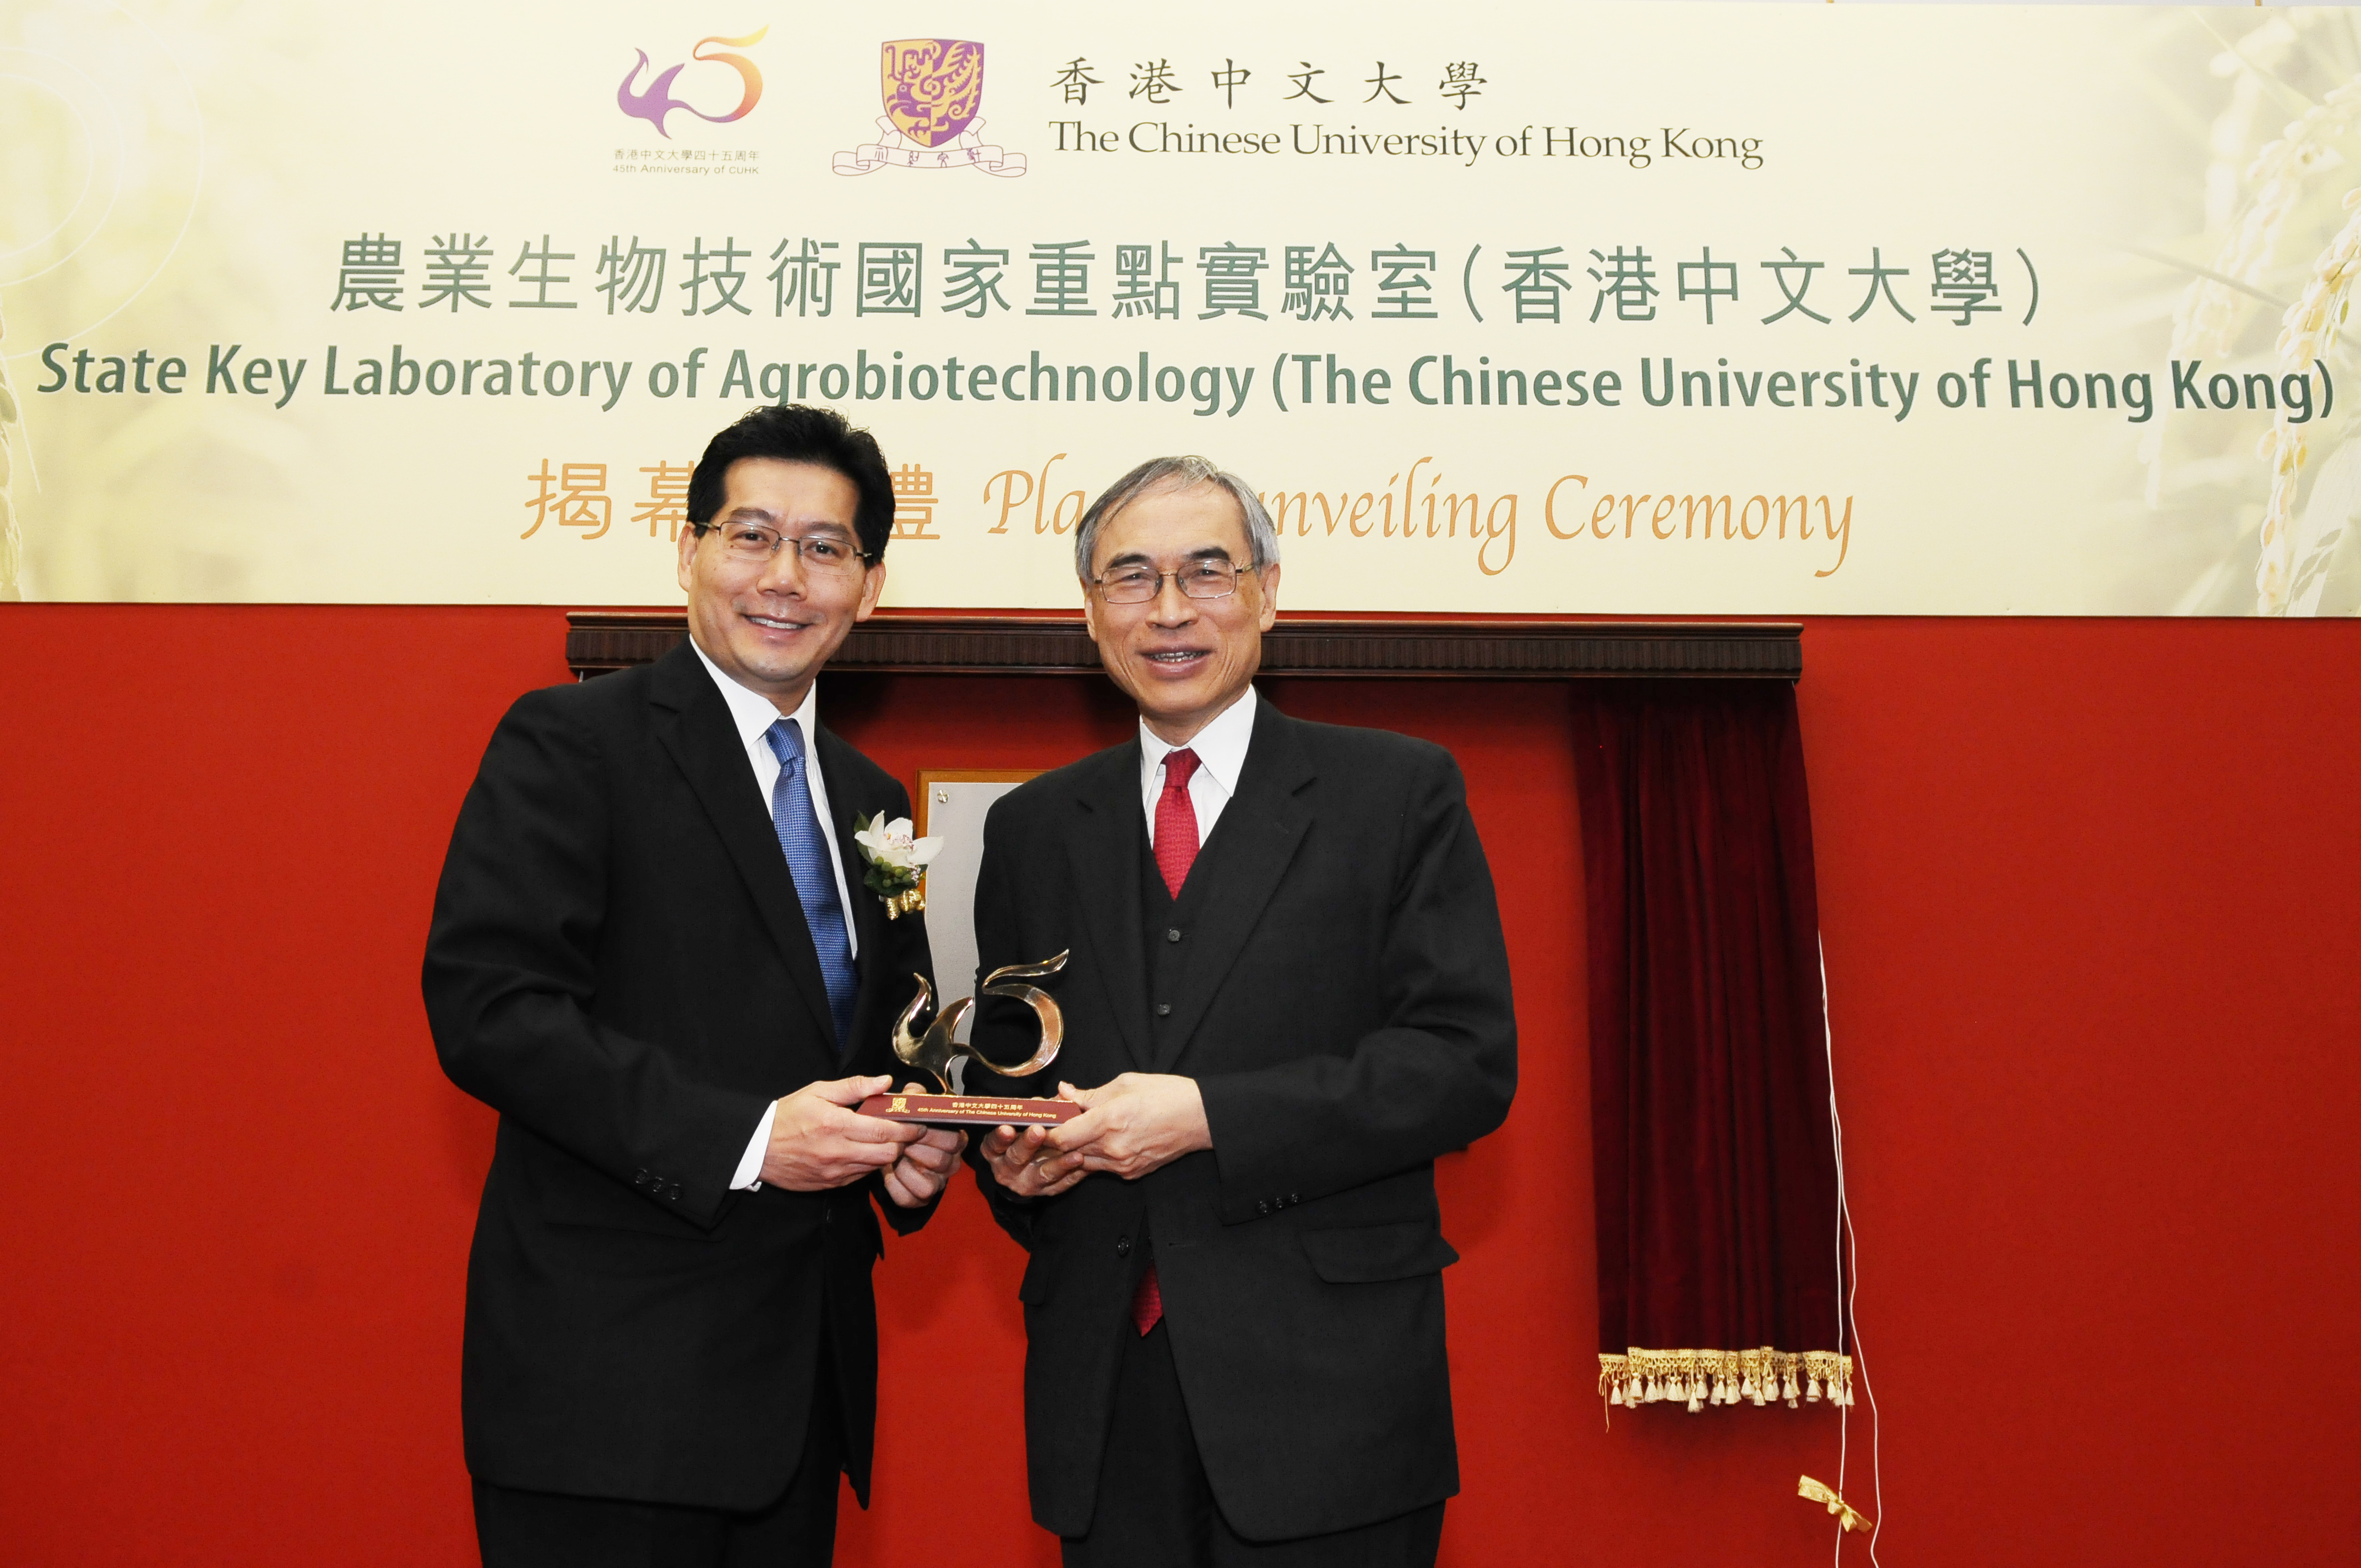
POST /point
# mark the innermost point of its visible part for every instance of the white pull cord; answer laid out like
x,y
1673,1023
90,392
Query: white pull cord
x,y
1848,1259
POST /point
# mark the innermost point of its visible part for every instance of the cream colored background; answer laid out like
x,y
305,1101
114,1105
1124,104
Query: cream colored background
x,y
177,176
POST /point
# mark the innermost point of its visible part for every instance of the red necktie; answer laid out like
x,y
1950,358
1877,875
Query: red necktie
x,y
1175,821
1176,851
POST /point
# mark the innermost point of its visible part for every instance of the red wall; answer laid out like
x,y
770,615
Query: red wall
x,y
2089,890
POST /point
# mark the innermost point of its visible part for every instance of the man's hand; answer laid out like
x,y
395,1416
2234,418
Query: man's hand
x,y
1134,1125
818,1142
1021,1165
914,1177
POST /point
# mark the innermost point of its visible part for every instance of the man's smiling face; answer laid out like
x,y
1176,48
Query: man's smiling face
x,y
1183,660
771,623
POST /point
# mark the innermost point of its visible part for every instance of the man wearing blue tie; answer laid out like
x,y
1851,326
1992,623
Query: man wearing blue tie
x,y
652,954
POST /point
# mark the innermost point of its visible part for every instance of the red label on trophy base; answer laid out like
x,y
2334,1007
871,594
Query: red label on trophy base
x,y
969,1110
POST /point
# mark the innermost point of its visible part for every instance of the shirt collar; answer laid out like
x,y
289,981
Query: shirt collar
x,y
753,713
1220,746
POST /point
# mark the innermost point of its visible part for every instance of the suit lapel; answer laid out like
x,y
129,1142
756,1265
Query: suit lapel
x,y
693,725
1253,843
1104,851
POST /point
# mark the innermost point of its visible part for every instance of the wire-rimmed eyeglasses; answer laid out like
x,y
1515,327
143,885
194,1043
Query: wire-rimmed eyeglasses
x,y
1136,584
753,542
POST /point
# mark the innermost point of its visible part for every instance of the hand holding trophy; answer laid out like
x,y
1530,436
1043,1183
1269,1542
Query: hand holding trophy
x,y
933,1053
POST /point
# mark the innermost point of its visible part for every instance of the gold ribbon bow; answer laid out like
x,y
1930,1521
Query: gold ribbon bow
x,y
1847,1515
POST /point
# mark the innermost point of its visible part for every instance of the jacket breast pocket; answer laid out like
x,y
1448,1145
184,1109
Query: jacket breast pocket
x,y
1366,1254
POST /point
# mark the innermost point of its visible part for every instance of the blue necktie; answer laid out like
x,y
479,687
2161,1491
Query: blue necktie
x,y
799,835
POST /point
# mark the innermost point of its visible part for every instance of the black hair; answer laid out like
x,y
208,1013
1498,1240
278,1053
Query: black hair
x,y
794,432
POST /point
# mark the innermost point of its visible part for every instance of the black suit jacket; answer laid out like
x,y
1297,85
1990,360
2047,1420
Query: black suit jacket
x,y
1344,1009
620,966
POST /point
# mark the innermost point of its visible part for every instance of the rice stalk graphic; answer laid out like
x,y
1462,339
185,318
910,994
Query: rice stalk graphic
x,y
2268,205
2306,334
2213,307
12,432
2307,328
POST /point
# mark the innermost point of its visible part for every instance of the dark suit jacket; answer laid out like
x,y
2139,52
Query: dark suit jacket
x,y
618,965
1344,1009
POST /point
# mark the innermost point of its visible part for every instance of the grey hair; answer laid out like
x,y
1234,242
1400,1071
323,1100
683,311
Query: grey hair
x,y
1178,473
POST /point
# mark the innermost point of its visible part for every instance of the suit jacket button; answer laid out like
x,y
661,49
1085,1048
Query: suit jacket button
x,y
1172,933
1263,1205
641,1179
1293,1199
1164,1010
1123,1246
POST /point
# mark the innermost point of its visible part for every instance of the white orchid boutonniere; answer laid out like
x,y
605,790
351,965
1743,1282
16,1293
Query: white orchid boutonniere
x,y
897,863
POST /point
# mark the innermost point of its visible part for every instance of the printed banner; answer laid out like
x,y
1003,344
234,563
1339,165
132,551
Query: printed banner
x,y
1648,310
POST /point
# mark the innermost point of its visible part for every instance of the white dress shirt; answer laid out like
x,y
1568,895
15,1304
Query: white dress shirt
x,y
1221,749
753,714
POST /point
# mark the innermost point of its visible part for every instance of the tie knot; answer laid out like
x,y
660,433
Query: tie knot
x,y
786,741
1178,768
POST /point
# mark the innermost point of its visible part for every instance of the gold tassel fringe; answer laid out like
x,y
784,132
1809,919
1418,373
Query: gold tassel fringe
x,y
1702,1377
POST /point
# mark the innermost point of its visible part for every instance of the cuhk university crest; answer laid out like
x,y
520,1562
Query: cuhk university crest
x,y
932,89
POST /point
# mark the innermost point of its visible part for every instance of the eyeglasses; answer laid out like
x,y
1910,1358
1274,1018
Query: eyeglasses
x,y
751,542
1207,579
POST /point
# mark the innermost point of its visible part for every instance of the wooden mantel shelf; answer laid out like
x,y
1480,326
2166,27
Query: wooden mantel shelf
x,y
935,643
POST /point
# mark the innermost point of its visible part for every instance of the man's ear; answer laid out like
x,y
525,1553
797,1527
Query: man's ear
x,y
871,584
686,573
1269,595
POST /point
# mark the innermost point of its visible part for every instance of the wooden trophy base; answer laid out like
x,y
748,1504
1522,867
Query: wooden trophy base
x,y
969,1110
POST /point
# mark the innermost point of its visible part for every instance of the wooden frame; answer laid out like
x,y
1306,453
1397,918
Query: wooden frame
x,y
929,777
927,643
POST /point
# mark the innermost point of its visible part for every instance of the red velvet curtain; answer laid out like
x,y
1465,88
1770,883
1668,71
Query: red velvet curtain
x,y
1719,1273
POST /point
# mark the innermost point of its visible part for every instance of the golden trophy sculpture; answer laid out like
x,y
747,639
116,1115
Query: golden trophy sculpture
x,y
933,1053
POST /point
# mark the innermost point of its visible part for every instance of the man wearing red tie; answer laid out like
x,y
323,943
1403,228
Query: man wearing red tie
x,y
1288,994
